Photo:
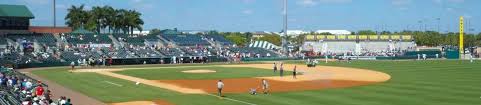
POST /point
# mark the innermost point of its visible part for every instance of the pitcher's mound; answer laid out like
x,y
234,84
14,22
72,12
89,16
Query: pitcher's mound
x,y
199,71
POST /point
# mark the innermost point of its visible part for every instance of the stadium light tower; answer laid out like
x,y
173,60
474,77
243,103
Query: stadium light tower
x,y
284,37
54,15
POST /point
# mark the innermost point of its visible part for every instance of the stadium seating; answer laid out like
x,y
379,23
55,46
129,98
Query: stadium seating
x,y
254,50
186,40
135,39
196,51
47,39
169,52
88,39
218,38
3,41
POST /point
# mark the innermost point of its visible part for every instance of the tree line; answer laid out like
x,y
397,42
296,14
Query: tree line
x,y
422,38
104,18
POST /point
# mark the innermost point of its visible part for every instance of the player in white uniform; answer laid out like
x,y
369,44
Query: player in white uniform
x,y
220,86
265,86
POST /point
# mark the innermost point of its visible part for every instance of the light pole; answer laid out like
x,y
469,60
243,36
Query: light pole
x,y
54,15
284,38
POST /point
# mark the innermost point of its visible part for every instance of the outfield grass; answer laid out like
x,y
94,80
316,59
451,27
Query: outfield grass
x,y
221,73
412,83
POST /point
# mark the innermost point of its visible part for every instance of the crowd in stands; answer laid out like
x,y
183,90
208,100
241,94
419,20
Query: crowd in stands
x,y
19,89
84,48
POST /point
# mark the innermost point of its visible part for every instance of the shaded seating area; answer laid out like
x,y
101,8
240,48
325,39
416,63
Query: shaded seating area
x,y
87,39
135,39
253,51
218,38
186,40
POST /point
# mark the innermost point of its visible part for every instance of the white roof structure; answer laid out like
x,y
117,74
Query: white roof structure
x,y
141,32
295,32
335,32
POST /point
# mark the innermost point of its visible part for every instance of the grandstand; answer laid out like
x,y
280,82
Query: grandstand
x,y
357,44
218,38
136,39
186,40
88,39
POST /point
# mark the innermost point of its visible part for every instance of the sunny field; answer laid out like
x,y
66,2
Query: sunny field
x,y
412,83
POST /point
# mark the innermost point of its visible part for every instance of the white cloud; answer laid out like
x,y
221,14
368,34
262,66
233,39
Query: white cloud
x,y
247,12
307,2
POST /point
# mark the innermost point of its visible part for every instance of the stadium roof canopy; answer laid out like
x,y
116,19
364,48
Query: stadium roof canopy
x,y
15,11
335,32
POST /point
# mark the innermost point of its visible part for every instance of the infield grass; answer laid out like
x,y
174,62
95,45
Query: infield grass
x,y
221,73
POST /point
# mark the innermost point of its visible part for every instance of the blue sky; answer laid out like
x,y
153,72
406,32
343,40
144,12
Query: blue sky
x,y
266,15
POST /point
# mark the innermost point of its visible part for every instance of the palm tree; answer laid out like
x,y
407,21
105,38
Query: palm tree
x,y
76,17
109,17
97,13
134,21
100,18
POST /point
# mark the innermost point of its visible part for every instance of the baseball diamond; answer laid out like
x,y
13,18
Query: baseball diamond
x,y
240,52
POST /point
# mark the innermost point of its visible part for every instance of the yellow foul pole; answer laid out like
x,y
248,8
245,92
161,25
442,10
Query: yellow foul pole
x,y
461,35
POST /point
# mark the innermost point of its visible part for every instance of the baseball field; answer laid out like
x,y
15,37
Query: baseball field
x,y
442,82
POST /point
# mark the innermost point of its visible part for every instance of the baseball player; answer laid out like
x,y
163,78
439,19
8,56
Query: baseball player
x,y
265,86
220,86
72,64
294,72
281,70
275,67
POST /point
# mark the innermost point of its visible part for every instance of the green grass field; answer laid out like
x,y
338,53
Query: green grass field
x,y
412,83
176,73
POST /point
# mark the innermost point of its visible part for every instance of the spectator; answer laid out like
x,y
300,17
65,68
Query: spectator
x,y
39,91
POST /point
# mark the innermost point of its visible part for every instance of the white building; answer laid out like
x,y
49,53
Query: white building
x,y
295,32
141,32
335,32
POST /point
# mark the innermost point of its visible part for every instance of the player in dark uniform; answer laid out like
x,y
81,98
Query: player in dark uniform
x,y
275,67
294,73
281,70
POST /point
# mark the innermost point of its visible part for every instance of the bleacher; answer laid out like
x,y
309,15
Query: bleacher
x,y
3,41
186,40
21,37
145,53
47,39
169,52
254,50
135,39
196,51
218,38
88,39
71,56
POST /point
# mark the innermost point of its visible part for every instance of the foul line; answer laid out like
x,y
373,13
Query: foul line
x,y
113,83
232,99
